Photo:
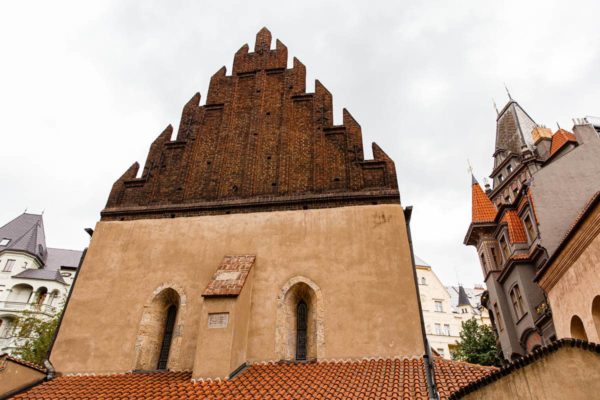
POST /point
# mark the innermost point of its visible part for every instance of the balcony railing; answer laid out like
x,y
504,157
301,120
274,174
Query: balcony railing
x,y
21,306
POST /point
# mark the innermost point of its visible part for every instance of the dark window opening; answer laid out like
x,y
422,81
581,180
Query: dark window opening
x,y
167,337
301,327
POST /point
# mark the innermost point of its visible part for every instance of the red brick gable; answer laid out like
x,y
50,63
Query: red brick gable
x,y
259,143
367,379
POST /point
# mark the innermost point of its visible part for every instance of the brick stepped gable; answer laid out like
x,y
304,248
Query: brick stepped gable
x,y
260,143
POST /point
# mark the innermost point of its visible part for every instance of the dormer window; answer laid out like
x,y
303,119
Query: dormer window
x,y
4,242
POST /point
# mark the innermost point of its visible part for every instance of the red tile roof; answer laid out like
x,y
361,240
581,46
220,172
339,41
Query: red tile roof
x,y
516,231
559,139
370,379
230,277
451,376
482,208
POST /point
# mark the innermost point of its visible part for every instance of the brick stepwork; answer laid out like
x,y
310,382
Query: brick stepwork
x,y
260,143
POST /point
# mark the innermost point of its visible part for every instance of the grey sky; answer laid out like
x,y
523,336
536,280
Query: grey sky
x,y
85,87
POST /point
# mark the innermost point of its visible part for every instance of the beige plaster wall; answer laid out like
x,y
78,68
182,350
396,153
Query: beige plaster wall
x,y
574,292
358,256
569,373
221,350
572,281
15,376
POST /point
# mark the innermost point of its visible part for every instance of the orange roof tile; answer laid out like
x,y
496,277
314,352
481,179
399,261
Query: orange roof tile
x,y
559,139
377,379
516,231
483,210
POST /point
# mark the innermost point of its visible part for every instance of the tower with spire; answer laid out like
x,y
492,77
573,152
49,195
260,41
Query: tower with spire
x,y
515,223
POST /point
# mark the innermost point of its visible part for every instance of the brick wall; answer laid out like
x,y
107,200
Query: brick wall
x,y
260,143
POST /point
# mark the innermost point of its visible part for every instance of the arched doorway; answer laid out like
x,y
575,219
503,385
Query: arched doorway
x,y
596,314
577,328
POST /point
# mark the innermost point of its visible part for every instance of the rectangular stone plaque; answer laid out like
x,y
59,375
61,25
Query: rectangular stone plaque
x,y
218,320
227,276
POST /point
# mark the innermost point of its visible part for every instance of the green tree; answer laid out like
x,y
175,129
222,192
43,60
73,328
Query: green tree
x,y
39,333
477,344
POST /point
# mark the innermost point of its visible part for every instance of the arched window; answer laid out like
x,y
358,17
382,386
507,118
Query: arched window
x,y
41,296
156,342
300,332
517,301
20,293
167,337
301,327
577,328
596,314
423,281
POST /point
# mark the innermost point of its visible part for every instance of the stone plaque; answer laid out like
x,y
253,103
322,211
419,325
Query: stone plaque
x,y
218,320
228,276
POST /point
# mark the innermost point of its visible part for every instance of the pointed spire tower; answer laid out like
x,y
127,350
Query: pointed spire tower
x,y
513,127
463,298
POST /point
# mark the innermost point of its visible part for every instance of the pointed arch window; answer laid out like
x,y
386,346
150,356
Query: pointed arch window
x,y
167,337
301,329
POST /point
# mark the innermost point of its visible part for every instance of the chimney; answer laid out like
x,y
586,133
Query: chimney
x,y
542,138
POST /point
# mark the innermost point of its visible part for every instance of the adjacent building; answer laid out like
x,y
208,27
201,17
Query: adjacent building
x,y
571,277
540,182
446,308
34,279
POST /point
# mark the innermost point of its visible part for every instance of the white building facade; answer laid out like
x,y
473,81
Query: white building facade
x,y
446,308
34,280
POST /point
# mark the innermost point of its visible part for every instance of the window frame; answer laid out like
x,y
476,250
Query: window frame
x,y
531,230
499,322
505,252
516,299
441,304
8,265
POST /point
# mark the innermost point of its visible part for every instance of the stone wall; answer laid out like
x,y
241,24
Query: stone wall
x,y
568,373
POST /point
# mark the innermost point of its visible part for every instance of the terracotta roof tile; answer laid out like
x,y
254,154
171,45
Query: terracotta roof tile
x,y
483,210
516,231
559,139
377,379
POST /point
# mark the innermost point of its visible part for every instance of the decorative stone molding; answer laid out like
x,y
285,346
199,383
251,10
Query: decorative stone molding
x,y
285,332
149,338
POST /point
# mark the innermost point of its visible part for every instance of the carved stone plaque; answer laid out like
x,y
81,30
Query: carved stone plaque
x,y
218,320
228,276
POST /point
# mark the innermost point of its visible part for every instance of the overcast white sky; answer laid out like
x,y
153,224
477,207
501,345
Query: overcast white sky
x,y
85,87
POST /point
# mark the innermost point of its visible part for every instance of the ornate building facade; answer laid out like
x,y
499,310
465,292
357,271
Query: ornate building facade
x,y
445,308
540,181
35,280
